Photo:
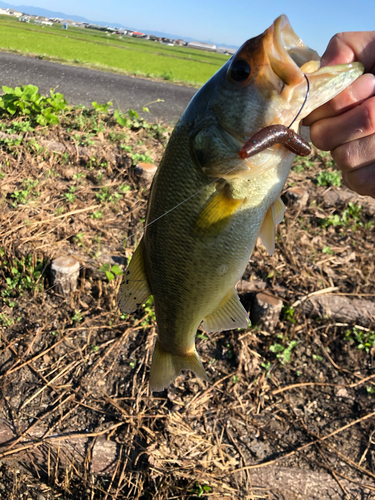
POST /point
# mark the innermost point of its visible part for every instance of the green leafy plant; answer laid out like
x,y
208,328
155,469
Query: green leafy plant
x,y
283,353
20,275
97,215
317,358
200,489
132,120
352,215
136,157
79,176
106,195
150,313
101,108
23,196
132,363
78,238
124,188
5,320
26,101
70,197
110,271
77,316
170,76
363,337
85,139
329,178
288,313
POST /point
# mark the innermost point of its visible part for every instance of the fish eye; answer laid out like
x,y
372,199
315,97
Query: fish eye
x,y
239,70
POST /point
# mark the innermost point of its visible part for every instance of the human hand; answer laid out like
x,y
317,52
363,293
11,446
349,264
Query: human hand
x,y
346,124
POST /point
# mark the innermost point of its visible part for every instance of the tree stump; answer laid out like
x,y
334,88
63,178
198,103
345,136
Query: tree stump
x,y
266,310
64,274
145,171
297,196
341,309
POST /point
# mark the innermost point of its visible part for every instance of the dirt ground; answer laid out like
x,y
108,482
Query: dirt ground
x,y
288,412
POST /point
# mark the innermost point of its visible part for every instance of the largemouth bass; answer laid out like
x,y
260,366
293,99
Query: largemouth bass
x,y
208,204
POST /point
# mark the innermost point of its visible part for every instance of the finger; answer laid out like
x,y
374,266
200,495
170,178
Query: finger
x,y
339,50
361,180
358,91
356,161
359,122
355,154
351,46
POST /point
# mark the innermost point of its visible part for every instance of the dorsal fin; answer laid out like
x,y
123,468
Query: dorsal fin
x,y
134,288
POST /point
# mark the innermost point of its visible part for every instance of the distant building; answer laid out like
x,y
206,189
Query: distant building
x,y
167,41
138,34
202,46
96,27
43,23
24,19
226,50
10,12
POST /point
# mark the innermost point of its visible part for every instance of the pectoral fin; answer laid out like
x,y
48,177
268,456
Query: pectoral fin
x,y
274,215
134,289
217,213
230,314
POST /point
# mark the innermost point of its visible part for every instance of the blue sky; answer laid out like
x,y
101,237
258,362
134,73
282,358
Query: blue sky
x,y
230,22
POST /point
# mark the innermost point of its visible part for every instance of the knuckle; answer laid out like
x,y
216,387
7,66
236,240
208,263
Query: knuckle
x,y
320,136
336,39
368,111
345,156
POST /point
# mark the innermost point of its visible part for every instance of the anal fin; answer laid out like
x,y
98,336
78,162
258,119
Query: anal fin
x,y
230,314
134,289
274,215
166,366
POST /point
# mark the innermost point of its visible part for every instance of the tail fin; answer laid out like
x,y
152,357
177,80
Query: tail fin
x,y
165,367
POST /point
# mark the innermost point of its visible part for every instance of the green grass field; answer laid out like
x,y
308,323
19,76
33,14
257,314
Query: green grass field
x,y
96,49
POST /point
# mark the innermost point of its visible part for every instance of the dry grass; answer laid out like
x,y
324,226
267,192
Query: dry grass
x,y
76,413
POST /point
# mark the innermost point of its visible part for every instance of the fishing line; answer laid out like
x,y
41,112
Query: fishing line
x,y
200,190
304,102
226,173
153,221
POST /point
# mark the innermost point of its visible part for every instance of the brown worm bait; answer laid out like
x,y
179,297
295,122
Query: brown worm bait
x,y
275,134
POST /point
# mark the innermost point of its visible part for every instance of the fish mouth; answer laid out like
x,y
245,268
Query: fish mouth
x,y
294,62
289,57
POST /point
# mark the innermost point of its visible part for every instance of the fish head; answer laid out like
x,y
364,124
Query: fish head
x,y
273,78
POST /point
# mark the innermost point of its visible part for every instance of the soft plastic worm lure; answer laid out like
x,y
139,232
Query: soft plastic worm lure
x,y
277,134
